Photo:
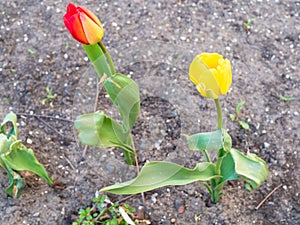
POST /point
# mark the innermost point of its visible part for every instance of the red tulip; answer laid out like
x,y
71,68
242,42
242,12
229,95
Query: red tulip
x,y
84,26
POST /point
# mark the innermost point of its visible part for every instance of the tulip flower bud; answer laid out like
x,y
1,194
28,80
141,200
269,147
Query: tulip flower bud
x,y
211,74
84,26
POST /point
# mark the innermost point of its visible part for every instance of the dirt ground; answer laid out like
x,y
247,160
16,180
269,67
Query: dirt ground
x,y
154,42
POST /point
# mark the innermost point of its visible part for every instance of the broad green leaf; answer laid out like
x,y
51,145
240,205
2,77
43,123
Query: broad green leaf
x,y
98,59
226,167
97,129
244,125
16,183
20,158
250,167
124,93
3,144
210,140
239,107
12,118
159,174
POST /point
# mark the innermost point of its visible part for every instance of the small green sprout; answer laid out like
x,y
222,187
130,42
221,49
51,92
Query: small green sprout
x,y
67,44
32,52
5,99
49,97
235,117
105,212
248,24
286,99
13,70
248,187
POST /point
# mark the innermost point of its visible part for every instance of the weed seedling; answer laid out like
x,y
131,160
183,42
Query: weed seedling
x,y
247,24
105,212
31,51
236,117
286,99
49,97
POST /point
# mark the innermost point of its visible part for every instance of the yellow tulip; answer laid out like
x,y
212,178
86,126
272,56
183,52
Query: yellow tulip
x,y
211,74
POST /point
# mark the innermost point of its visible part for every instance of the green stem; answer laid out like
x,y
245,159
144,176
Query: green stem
x,y
219,110
214,183
98,59
109,59
207,158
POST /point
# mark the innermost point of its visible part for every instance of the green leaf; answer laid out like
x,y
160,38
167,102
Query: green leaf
x,y
250,167
210,140
31,51
244,125
20,158
159,174
124,93
248,187
4,145
285,98
16,183
232,117
227,167
98,59
239,107
12,118
97,129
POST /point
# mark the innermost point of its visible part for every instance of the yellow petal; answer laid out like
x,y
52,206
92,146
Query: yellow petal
x,y
207,93
93,32
211,60
224,75
227,77
203,78
91,15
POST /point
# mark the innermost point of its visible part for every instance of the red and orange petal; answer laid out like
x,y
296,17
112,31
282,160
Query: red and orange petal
x,y
73,24
71,10
92,31
90,15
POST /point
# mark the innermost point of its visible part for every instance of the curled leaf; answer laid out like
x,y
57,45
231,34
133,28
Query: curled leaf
x,y
250,167
97,129
159,174
210,140
124,93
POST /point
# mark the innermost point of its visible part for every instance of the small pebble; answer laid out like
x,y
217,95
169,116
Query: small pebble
x,y
266,145
29,141
181,209
173,220
153,198
179,206
140,213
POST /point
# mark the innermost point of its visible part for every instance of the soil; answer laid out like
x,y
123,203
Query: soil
x,y
154,42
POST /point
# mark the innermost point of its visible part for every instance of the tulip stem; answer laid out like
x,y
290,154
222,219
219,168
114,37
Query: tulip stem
x,y
207,158
109,59
219,110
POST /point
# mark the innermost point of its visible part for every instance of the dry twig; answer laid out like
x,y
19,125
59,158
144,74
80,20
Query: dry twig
x,y
268,196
